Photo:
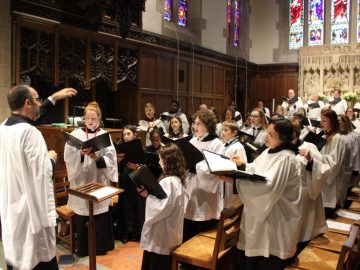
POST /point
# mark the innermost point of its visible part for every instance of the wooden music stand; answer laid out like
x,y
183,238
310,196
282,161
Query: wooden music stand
x,y
93,192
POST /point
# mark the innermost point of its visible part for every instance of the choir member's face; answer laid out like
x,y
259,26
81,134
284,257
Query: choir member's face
x,y
291,93
92,119
173,107
341,124
314,98
175,125
150,112
155,140
227,134
255,118
325,123
350,113
228,115
272,137
34,105
200,128
128,135
161,163
260,104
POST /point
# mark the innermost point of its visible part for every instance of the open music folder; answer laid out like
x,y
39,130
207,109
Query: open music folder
x,y
133,151
97,143
143,177
316,139
223,166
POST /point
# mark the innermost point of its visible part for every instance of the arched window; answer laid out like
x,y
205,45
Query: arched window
x,y
316,22
340,16
296,24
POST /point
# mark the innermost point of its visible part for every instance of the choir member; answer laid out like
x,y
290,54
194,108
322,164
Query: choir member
x,y
260,104
203,200
131,207
164,219
151,150
150,122
292,103
231,147
270,224
313,107
355,122
175,110
84,166
336,103
176,130
258,126
246,124
237,115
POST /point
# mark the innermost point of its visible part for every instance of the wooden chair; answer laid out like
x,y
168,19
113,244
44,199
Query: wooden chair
x,y
66,233
314,258
206,252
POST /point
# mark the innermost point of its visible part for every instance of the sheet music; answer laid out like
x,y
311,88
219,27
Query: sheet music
x,y
338,225
103,192
218,163
345,214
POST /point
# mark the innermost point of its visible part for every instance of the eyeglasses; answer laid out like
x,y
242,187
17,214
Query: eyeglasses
x,y
37,99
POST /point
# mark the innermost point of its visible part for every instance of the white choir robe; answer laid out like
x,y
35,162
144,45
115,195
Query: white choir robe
x,y
333,155
203,192
239,122
149,126
313,113
218,131
164,219
260,136
270,224
290,112
313,214
82,173
356,158
27,204
340,107
346,169
356,123
230,199
183,118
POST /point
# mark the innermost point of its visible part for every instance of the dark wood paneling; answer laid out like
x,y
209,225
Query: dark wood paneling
x,y
165,73
206,79
219,81
148,71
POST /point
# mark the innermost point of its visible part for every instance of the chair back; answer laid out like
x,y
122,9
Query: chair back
x,y
347,247
61,185
228,230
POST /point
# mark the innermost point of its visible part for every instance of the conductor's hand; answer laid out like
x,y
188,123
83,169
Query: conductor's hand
x,y
53,155
143,192
132,166
85,151
120,157
305,153
237,160
64,93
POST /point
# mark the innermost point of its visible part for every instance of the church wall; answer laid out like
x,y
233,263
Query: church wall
x,y
5,57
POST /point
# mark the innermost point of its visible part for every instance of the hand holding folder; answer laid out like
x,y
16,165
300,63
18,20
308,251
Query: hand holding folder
x,y
315,139
143,177
97,143
223,166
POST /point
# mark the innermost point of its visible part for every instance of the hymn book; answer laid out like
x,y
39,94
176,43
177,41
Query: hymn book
x,y
143,177
316,139
97,143
223,166
133,151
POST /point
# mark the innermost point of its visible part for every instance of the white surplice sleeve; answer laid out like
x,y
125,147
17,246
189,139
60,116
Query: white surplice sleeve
x,y
259,198
38,185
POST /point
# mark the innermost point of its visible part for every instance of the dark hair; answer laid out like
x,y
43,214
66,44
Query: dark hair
x,y
297,128
175,101
17,96
174,161
155,131
132,128
171,132
208,118
347,122
332,116
350,108
284,128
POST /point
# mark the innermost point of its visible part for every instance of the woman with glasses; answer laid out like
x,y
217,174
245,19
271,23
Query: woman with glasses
x,y
84,166
258,126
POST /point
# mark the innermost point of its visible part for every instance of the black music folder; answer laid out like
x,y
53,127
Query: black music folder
x,y
133,151
223,166
245,135
97,143
315,123
143,177
165,117
191,154
315,139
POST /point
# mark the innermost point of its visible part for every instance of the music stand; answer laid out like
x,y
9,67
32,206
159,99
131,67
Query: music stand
x,y
93,192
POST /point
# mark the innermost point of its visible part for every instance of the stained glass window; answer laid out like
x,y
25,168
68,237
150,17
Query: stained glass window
x,y
340,15
296,22
229,19
358,22
168,10
182,13
236,22
316,22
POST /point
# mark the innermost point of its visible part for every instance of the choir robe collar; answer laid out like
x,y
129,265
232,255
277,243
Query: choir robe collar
x,y
17,119
89,130
208,137
293,100
281,147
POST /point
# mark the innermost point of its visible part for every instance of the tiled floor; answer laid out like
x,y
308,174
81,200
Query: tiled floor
x,y
124,257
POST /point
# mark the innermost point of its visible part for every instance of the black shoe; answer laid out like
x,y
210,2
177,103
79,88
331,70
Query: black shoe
x,y
81,254
124,238
134,237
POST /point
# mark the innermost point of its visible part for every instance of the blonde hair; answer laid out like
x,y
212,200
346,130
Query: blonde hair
x,y
149,105
232,125
93,106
